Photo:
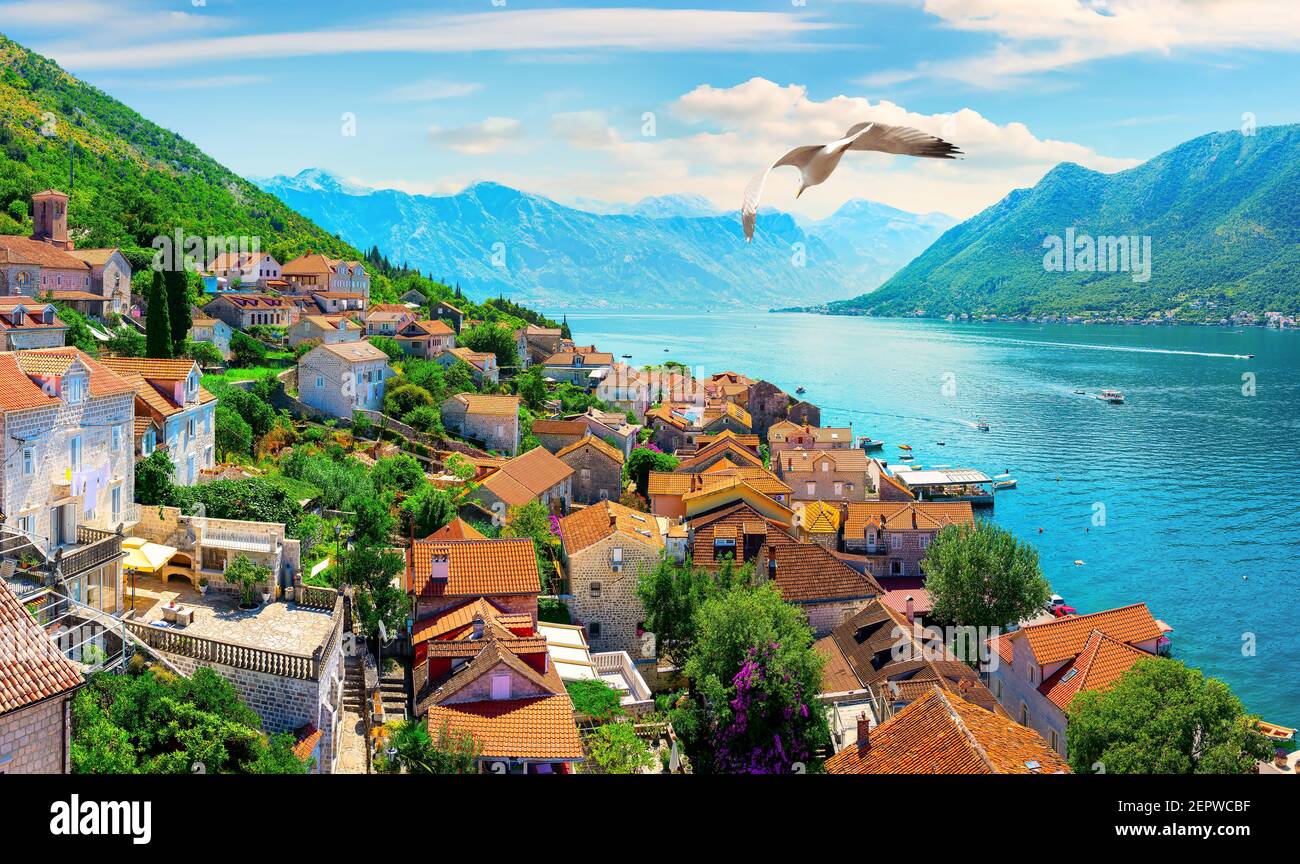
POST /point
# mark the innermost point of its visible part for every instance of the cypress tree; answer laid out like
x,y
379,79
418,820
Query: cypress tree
x,y
178,308
157,326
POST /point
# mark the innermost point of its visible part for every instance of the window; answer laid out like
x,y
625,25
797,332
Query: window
x,y
594,588
29,461
74,451
148,441
207,457
117,504
593,629
997,688
320,382
839,488
74,390
1024,714
25,524
925,541
826,466
500,686
895,541
895,567
810,488
117,438
1056,744
617,559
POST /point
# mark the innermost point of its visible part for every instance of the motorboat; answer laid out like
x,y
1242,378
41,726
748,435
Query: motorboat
x,y
1003,481
1114,397
982,425
867,443
800,390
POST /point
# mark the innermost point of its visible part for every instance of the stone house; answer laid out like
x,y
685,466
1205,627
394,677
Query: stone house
x,y
385,319
36,693
825,475
1038,670
606,547
427,338
804,413
894,537
242,311
482,364
491,421
887,486
110,278
609,424
534,344
767,405
204,546
314,272
69,474
329,329
168,394
584,370
340,379
445,575
442,310
555,435
533,476
670,493
811,577
205,328
245,269
626,389
27,323
48,262
791,436
597,470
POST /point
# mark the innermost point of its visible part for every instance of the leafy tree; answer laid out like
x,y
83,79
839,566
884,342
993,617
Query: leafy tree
x,y
426,419
754,676
458,466
157,325
531,386
371,570
253,499
78,335
616,749
252,405
401,400
389,346
150,721
153,479
642,460
402,473
672,594
248,576
234,437
427,510
981,576
492,339
1163,717
535,522
454,752
126,341
205,354
245,350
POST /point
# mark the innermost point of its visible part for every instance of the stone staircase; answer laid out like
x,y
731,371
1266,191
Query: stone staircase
x,y
393,691
354,685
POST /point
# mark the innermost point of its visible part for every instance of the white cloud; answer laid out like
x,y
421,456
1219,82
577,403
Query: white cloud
x,y
489,135
746,127
498,30
1043,35
431,90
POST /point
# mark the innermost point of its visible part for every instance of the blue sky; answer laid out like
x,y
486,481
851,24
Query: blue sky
x,y
613,101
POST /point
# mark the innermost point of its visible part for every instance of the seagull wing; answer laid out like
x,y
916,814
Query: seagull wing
x,y
902,140
798,157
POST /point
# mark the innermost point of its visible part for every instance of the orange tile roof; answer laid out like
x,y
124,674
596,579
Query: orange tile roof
x,y
495,406
589,440
1101,663
457,529
905,516
593,524
779,432
1064,638
436,327
729,447
475,567
819,517
32,667
808,573
800,461
18,391
24,250
590,359
308,737
938,734
559,427
525,477
458,621
739,520
536,728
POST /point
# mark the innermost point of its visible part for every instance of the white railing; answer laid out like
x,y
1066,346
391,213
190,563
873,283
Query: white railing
x,y
620,663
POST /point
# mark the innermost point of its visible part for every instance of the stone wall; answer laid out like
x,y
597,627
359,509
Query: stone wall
x,y
34,739
596,477
617,609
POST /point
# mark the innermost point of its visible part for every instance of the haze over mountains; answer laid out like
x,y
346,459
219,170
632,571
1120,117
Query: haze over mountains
x,y
1222,214
672,251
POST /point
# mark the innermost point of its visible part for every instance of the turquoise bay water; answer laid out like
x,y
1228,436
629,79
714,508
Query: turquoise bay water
x,y
1200,484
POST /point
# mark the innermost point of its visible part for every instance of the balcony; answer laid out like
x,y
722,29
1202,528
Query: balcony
x,y
26,566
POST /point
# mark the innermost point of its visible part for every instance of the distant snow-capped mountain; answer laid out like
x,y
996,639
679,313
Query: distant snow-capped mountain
x,y
672,251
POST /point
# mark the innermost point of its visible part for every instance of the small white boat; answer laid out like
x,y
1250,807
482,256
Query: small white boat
x,y
982,425
1114,397
1004,481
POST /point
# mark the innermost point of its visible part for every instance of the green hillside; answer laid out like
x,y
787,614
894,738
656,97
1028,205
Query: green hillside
x,y
134,179
1222,212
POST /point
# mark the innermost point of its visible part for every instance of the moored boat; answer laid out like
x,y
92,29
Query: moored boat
x,y
1004,481
867,443
1274,731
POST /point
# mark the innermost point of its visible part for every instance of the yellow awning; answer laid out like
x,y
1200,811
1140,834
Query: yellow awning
x,y
145,557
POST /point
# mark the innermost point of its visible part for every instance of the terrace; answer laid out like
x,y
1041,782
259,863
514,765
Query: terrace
x,y
288,638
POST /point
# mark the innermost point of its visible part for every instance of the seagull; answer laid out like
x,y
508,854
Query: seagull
x,y
815,163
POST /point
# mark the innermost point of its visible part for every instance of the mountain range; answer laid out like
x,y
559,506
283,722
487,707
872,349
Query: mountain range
x,y
1220,215
664,252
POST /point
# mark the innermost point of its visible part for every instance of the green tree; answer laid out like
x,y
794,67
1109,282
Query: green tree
x,y
157,325
533,521
672,594
176,285
205,354
616,749
401,473
1163,717
594,698
153,480
428,510
404,398
126,341
980,575
644,459
531,386
371,569
234,437
454,752
389,346
491,339
248,576
245,350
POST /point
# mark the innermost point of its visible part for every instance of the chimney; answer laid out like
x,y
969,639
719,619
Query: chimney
x,y
771,561
911,611
864,734
478,626
439,567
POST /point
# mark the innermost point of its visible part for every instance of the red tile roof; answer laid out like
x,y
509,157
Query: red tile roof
x,y
808,573
475,568
905,516
32,667
593,524
525,477
1101,663
1064,638
939,734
